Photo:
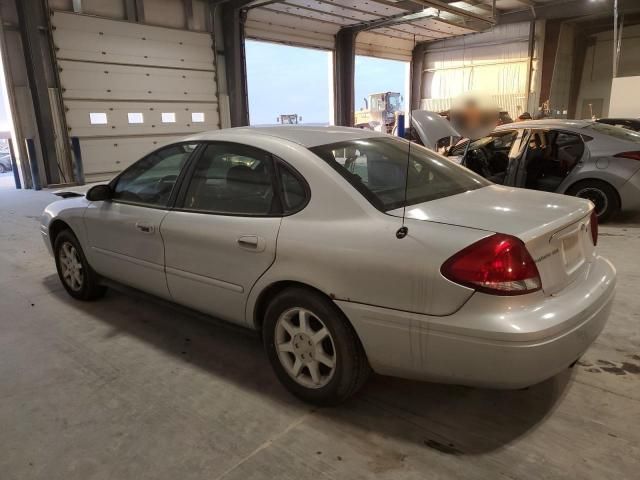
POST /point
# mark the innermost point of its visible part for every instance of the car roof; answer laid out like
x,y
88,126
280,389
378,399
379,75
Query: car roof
x,y
547,123
306,136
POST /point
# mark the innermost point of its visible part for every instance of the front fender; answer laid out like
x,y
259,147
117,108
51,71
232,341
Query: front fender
x,y
71,212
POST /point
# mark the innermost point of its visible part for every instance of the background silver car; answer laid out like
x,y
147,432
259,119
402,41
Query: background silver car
x,y
349,250
583,158
5,162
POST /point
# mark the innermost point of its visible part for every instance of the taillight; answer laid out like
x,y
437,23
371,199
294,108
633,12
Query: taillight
x,y
631,155
499,265
594,227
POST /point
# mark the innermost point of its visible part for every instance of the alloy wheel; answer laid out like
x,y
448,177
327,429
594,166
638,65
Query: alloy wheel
x,y
305,348
71,267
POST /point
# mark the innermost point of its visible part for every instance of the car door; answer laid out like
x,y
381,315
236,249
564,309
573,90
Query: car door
x,y
549,158
516,171
221,236
124,232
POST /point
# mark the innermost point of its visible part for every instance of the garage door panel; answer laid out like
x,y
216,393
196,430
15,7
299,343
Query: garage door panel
x,y
113,41
119,78
83,80
310,14
374,45
275,18
105,158
288,35
355,15
157,118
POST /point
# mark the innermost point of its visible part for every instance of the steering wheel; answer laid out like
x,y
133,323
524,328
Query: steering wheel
x,y
160,186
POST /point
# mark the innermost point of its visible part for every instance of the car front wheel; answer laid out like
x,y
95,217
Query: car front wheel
x,y
312,347
75,273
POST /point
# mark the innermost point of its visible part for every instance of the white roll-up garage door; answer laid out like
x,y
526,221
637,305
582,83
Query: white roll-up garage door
x,y
129,88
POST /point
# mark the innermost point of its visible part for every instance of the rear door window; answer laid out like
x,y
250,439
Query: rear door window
x,y
231,179
614,131
293,190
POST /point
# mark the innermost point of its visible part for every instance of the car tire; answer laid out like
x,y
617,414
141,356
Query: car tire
x,y
2,168
319,359
76,275
603,196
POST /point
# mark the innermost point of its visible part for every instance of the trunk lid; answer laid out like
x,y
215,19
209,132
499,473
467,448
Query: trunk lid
x,y
555,228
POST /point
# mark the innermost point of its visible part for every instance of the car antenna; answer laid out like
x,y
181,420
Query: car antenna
x,y
404,230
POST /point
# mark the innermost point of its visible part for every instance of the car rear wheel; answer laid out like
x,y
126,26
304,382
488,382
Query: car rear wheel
x,y
76,275
601,194
312,347
2,168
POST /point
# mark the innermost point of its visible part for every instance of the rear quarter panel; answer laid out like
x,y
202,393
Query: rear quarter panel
x,y
601,163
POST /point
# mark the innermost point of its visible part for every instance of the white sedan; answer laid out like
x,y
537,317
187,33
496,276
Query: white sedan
x,y
350,251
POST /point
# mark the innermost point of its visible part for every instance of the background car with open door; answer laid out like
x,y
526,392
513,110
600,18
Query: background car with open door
x,y
586,159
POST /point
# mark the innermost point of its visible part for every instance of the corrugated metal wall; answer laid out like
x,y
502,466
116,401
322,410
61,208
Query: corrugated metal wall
x,y
129,88
494,63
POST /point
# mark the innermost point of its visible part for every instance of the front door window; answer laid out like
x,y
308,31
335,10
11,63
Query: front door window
x,y
150,181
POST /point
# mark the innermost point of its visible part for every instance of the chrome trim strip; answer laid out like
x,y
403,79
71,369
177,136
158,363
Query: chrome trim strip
x,y
127,258
203,279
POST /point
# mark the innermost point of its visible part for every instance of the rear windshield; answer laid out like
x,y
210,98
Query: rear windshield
x,y
377,168
617,132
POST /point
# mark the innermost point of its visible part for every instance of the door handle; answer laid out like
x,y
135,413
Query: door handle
x,y
248,241
253,243
145,227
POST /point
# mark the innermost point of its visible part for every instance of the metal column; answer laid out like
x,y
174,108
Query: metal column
x,y
233,17
417,69
344,65
32,37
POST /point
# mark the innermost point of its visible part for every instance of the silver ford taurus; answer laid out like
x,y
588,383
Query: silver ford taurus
x,y
350,251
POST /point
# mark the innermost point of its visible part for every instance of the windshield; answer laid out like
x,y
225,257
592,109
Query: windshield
x,y
377,168
617,132
502,139
377,102
394,102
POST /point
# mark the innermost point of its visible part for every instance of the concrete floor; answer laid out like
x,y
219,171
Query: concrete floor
x,y
125,388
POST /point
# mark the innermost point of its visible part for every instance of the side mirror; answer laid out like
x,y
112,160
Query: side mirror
x,y
99,193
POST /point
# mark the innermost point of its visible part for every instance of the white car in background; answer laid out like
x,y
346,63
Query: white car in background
x,y
349,250
586,159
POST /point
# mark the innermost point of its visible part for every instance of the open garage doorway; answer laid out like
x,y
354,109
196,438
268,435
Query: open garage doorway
x,y
9,177
289,85
381,90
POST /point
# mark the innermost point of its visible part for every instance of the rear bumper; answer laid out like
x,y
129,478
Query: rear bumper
x,y
630,193
497,342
